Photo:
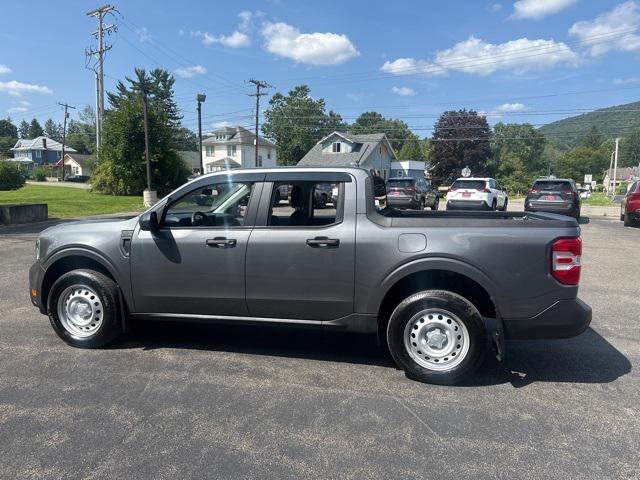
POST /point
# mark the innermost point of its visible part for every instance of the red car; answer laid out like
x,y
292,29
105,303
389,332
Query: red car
x,y
630,206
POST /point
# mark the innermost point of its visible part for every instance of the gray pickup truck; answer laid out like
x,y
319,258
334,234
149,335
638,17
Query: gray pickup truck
x,y
435,287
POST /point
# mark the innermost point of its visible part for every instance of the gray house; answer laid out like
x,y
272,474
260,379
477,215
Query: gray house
x,y
369,151
38,151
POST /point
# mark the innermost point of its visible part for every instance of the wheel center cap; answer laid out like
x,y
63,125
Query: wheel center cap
x,y
82,310
436,339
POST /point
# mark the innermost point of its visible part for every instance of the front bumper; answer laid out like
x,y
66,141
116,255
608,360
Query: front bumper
x,y
467,205
36,275
563,319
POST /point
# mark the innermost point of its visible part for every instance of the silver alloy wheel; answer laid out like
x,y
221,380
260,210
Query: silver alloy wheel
x,y
436,339
80,311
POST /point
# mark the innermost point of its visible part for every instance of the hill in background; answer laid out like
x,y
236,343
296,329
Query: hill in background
x,y
611,121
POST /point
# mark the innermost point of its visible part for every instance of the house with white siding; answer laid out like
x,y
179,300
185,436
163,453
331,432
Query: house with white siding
x,y
234,147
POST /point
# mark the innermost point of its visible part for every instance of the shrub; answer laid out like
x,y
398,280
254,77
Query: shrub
x,y
39,174
10,176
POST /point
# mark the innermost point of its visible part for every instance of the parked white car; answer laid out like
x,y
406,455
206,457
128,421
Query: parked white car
x,y
477,194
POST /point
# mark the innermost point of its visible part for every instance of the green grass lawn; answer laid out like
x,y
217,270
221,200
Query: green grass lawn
x,y
598,199
67,202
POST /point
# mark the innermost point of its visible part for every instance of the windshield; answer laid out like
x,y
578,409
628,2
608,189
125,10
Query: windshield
x,y
469,184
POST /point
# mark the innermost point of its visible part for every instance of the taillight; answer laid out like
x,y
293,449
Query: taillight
x,y
533,190
451,189
565,260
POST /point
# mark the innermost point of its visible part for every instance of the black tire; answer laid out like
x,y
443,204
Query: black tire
x,y
506,204
627,221
494,205
444,301
421,204
436,204
577,215
622,216
106,290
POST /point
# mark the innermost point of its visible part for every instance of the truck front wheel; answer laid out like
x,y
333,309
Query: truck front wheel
x,y
437,336
84,309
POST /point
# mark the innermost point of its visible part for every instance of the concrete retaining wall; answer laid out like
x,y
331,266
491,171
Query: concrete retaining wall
x,y
10,214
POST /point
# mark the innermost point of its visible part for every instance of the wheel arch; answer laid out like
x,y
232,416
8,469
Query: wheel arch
x,y
442,274
73,259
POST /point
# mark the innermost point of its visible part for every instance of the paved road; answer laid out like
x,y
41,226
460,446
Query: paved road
x,y
177,401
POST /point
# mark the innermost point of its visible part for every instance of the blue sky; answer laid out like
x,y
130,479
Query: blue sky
x,y
525,61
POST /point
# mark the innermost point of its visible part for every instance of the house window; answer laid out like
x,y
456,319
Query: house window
x,y
335,147
259,161
209,151
38,153
231,150
269,154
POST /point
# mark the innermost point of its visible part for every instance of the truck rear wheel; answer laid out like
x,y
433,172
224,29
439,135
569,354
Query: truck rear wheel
x,y
437,336
84,309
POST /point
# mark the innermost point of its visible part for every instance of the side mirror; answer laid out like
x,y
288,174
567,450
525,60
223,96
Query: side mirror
x,y
149,222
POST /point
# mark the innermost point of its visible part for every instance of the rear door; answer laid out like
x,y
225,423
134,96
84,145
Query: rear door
x,y
300,259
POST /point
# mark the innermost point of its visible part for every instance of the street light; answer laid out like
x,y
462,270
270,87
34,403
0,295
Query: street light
x,y
201,97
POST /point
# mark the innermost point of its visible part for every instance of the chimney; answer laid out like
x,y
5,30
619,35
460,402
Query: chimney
x,y
44,153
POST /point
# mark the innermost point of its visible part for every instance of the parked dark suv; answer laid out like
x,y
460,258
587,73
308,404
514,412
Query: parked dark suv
x,y
555,195
412,193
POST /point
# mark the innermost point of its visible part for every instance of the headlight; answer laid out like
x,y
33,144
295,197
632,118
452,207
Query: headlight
x,y
38,249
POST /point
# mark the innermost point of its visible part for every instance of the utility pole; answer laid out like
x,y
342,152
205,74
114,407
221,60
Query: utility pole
x,y
64,132
146,138
259,84
615,166
102,48
201,97
610,170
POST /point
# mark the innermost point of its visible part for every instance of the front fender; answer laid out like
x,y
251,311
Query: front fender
x,y
426,264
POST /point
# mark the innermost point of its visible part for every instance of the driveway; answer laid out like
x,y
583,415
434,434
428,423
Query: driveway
x,y
196,401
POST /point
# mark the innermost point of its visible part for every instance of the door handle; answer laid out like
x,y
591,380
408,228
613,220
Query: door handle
x,y
221,242
323,242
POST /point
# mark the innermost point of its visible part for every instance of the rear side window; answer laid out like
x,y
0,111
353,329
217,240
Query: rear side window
x,y
469,184
552,185
306,204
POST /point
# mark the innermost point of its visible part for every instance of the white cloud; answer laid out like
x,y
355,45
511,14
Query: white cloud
x,y
17,110
477,57
143,34
511,107
614,30
24,103
221,124
16,89
189,72
4,69
235,40
626,81
496,7
537,9
308,48
403,91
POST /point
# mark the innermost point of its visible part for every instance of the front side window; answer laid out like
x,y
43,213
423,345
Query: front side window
x,y
216,205
305,204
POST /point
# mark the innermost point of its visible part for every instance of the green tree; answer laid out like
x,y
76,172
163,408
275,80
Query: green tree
x,y
580,161
53,130
297,121
10,176
519,141
35,129
372,122
23,129
121,168
460,139
81,133
593,138
413,149
8,137
629,150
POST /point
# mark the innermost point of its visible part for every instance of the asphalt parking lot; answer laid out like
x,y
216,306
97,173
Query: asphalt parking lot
x,y
194,401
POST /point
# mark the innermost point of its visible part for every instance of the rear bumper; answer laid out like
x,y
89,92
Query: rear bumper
x,y
557,207
400,201
467,205
563,319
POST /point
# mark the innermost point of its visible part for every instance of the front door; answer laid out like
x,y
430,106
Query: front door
x,y
300,261
194,264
